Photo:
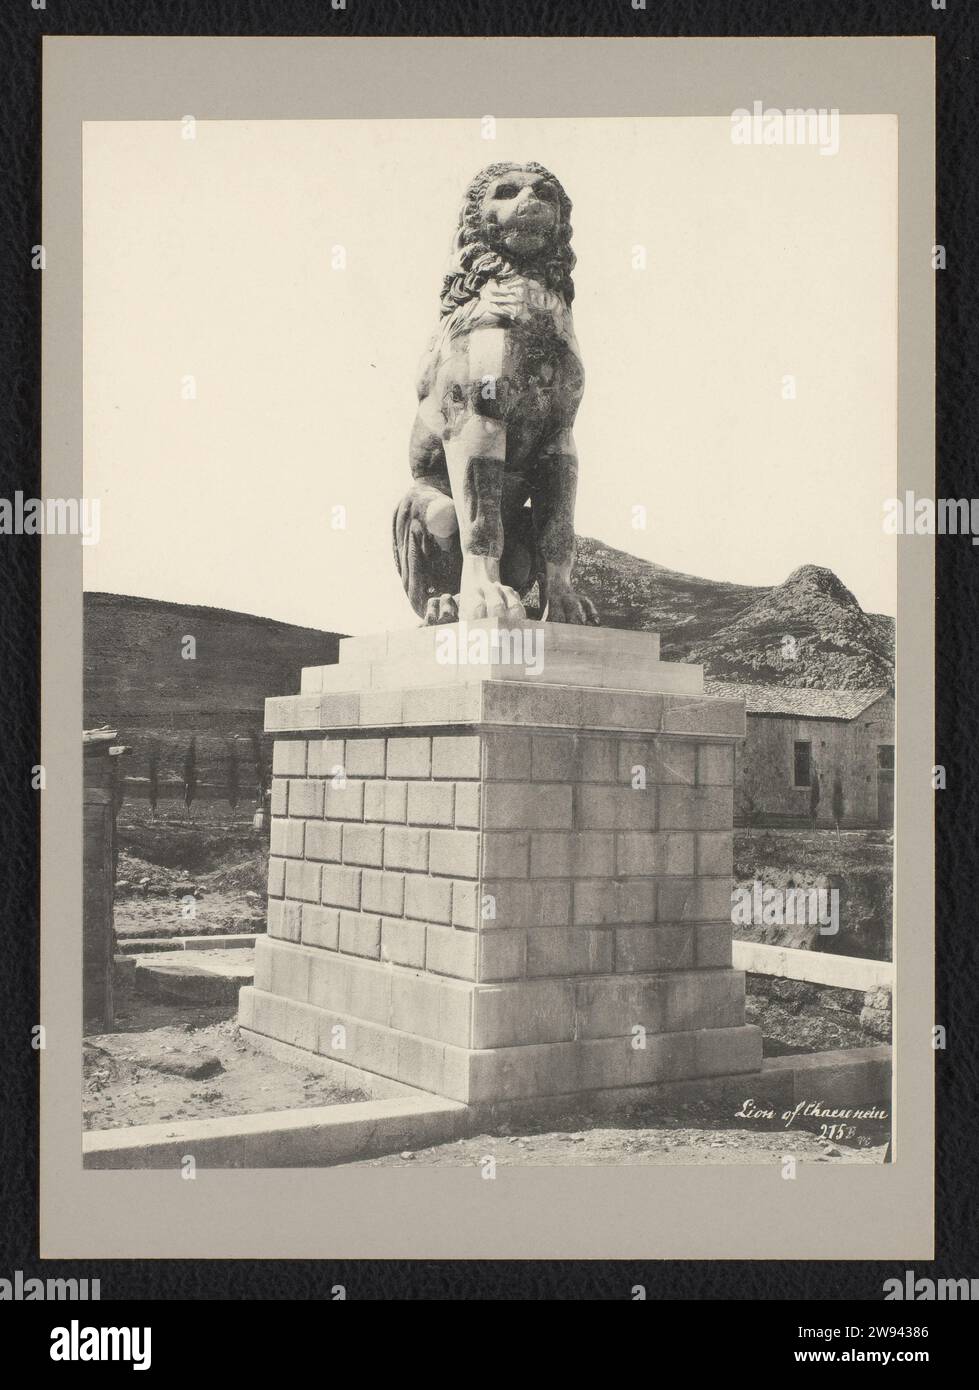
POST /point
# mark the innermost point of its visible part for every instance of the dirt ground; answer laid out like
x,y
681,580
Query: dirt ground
x,y
821,851
858,863
159,901
216,915
167,1062
177,875
662,1144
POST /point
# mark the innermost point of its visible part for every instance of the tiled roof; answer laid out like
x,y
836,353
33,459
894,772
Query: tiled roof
x,y
798,701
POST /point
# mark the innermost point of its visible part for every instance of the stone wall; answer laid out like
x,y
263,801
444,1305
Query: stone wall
x,y
847,747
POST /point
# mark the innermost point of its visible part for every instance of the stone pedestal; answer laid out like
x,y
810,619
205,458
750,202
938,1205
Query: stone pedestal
x,y
502,865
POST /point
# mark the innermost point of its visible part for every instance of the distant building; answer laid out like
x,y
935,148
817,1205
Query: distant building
x,y
796,736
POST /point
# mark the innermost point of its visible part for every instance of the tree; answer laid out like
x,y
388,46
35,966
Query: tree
x,y
261,766
190,773
153,775
838,804
814,795
749,798
232,775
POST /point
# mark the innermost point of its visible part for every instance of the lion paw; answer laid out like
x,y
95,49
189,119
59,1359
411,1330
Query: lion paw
x,y
491,600
565,606
444,608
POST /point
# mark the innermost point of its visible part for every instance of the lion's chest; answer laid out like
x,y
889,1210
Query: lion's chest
x,y
541,360
524,369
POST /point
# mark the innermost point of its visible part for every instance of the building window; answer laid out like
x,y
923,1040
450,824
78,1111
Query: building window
x,y
803,763
885,757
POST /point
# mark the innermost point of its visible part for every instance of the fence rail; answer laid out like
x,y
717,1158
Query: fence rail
x,y
814,967
174,790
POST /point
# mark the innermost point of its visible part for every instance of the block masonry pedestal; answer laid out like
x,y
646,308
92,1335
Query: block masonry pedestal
x,y
501,865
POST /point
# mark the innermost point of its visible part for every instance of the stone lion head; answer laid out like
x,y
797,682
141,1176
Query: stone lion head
x,y
514,218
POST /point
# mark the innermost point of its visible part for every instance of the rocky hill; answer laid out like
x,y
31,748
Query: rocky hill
x,y
633,593
807,631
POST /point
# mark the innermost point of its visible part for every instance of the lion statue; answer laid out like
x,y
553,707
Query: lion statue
x,y
490,512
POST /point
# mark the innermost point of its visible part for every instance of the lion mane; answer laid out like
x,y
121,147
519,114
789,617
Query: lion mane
x,y
475,261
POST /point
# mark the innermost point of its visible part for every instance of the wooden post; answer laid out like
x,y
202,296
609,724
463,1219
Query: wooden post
x,y
99,872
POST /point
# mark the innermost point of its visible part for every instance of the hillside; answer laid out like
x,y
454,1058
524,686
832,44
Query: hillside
x,y
737,631
136,676
633,593
834,643
137,681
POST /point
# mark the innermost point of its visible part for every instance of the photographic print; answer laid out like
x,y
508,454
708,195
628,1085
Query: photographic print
x,y
571,821
498,772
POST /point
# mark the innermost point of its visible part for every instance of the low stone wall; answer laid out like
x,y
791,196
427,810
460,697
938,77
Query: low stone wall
x,y
867,1010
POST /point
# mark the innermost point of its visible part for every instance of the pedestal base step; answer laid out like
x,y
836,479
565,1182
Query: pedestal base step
x,y
481,1075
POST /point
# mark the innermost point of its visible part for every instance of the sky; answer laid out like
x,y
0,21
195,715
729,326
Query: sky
x,y
257,298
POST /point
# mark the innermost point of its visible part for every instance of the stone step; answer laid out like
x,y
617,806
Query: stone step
x,y
150,945
503,1073
203,977
566,669
510,1013
593,643
520,703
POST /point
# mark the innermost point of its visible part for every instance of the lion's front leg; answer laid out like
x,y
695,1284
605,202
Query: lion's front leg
x,y
476,459
554,492
426,549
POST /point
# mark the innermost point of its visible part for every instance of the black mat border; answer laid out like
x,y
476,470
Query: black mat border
x,y
957,622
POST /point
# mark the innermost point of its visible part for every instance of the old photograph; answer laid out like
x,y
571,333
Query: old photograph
x,y
489,634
